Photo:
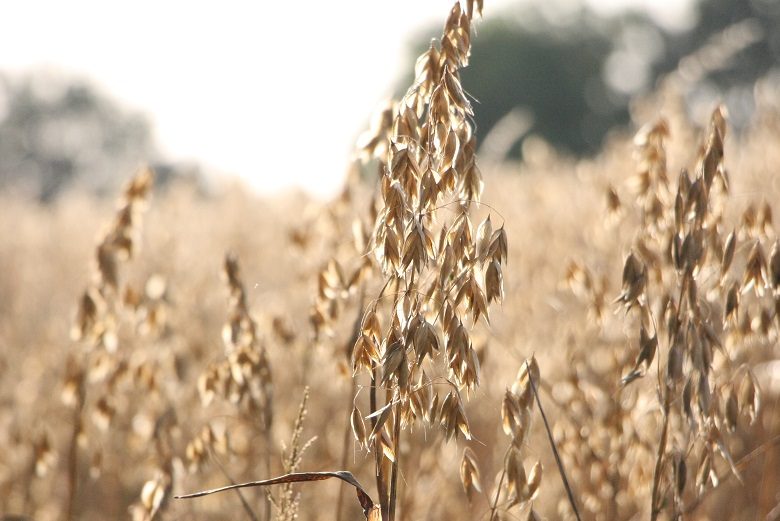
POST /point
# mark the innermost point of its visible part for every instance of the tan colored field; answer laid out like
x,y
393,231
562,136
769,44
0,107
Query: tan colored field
x,y
136,363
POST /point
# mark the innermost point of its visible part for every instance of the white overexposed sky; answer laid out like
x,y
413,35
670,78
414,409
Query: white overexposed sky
x,y
273,91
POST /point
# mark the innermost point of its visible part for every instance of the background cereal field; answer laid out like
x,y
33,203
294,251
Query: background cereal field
x,y
518,330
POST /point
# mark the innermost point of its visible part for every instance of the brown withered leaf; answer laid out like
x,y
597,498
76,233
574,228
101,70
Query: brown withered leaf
x,y
365,500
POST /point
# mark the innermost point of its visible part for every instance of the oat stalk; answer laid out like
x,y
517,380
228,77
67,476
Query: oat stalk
x,y
558,461
244,503
494,506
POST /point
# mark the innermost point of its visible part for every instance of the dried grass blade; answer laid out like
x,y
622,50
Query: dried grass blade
x,y
297,477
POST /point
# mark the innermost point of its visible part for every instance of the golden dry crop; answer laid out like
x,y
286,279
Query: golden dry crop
x,y
592,339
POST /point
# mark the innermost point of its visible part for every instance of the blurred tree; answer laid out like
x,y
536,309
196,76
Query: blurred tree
x,y
56,132
553,72
575,73
713,16
753,27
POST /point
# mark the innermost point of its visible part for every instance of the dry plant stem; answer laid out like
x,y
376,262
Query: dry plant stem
x,y
394,471
73,463
353,389
558,461
380,485
493,507
244,503
345,448
655,508
267,460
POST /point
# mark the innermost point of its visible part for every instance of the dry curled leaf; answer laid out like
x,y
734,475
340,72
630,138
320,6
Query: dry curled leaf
x,y
364,499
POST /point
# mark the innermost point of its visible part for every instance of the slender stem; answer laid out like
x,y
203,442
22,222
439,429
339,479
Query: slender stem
x,y
558,461
380,481
500,482
394,471
345,449
244,503
73,450
356,327
654,506
73,463
267,462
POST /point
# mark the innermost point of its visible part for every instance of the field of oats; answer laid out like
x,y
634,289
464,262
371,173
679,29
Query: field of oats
x,y
554,339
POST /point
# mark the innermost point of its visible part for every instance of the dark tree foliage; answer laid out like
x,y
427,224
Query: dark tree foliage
x,y
57,132
555,76
557,68
716,15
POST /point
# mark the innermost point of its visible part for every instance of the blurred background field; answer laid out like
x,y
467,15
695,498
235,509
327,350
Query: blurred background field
x,y
560,89
85,97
